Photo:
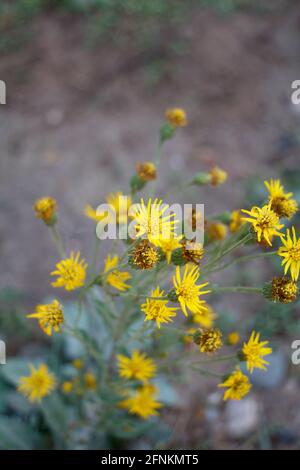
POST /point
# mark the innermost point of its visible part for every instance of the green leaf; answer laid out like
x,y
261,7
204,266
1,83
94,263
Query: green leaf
x,y
15,435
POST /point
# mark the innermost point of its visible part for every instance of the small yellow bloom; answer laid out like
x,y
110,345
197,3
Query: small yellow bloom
x,y
238,385
38,384
70,272
187,291
90,381
236,221
176,117
281,203
217,176
281,289
142,403
78,364
233,338
49,316
45,209
168,245
67,387
253,352
146,171
265,222
290,252
158,310
216,231
138,366
205,317
115,278
91,213
143,255
209,340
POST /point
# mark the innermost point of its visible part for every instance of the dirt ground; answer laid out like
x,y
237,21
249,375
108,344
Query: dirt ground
x,y
78,118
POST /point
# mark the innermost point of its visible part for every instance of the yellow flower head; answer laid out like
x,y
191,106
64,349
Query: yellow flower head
x,y
120,204
281,289
38,384
265,222
78,364
217,176
150,221
49,316
209,340
90,381
142,403
176,117
138,366
290,252
169,245
205,317
146,171
233,338
216,231
235,221
115,278
253,352
67,387
45,209
70,272
237,385
187,291
281,203
158,310
143,255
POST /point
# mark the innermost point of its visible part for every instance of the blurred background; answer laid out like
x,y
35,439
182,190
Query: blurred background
x,y
88,82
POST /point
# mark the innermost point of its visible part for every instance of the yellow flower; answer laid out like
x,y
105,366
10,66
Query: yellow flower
x,y
78,363
290,252
115,278
143,255
235,221
67,387
187,291
253,352
38,384
120,204
233,338
281,289
150,221
142,403
209,340
146,171
90,381
265,222
70,272
91,213
176,117
216,231
158,310
217,176
168,245
50,316
205,317
238,385
138,366
281,202
45,209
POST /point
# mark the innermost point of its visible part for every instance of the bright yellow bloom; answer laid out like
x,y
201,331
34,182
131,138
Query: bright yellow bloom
x,y
217,176
38,384
235,221
91,213
138,366
216,231
169,245
78,364
158,310
115,278
70,272
146,171
150,221
233,338
253,352
265,222
67,387
49,316
281,202
187,291
176,117
290,252
205,317
281,289
90,381
45,209
238,385
143,402
209,340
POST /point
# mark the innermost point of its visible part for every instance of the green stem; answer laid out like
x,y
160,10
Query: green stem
x,y
243,289
243,259
216,359
58,241
206,372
